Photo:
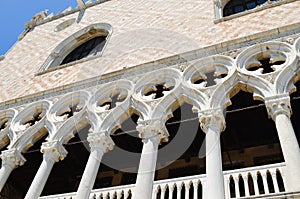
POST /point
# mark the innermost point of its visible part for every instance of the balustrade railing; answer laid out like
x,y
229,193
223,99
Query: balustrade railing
x,y
240,183
177,188
254,181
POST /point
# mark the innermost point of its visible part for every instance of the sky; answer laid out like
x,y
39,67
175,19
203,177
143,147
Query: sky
x,y
15,13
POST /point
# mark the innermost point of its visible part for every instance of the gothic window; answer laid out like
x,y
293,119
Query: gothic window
x,y
88,42
236,6
89,48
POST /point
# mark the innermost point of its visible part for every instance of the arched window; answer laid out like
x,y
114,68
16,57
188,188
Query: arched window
x,y
89,48
236,6
86,43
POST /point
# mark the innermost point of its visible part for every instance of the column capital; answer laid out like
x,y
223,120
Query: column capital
x,y
153,129
54,150
101,141
278,104
12,158
212,118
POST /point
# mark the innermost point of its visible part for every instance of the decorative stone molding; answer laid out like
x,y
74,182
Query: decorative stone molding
x,y
109,96
156,85
12,158
209,72
212,118
65,47
100,140
90,103
297,47
54,151
153,129
30,116
278,104
266,59
5,118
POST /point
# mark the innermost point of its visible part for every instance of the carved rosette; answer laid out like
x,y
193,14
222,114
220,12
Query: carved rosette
x,y
12,158
212,118
279,104
53,150
153,129
100,141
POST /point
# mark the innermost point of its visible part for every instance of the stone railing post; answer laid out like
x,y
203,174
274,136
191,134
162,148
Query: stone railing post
x,y
212,122
279,109
53,152
152,134
11,159
100,143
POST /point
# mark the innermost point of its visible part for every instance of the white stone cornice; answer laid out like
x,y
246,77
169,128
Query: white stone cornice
x,y
12,158
278,104
212,118
54,150
153,129
100,140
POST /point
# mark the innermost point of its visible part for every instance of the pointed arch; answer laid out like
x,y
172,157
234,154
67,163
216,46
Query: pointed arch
x,y
69,127
67,46
5,119
29,125
116,117
256,85
176,98
284,82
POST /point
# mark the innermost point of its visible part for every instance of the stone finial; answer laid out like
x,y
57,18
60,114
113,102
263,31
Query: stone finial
x,y
100,140
278,104
212,118
40,16
54,150
153,129
12,158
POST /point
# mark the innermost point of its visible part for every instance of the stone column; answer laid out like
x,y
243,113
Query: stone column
x,y
212,122
152,134
11,159
279,109
100,143
53,152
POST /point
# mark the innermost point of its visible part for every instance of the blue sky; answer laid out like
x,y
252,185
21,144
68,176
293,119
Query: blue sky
x,y
15,13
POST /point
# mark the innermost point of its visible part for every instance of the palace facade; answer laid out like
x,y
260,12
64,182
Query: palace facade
x,y
152,99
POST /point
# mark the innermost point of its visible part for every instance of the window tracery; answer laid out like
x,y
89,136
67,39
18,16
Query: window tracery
x,y
85,44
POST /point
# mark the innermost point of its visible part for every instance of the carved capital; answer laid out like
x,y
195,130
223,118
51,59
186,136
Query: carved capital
x,y
12,158
153,129
279,104
212,118
100,141
54,150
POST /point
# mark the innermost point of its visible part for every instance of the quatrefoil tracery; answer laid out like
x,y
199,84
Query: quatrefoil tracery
x,y
34,117
30,116
209,71
112,100
69,110
210,77
156,91
156,85
266,62
109,96
266,58
68,106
